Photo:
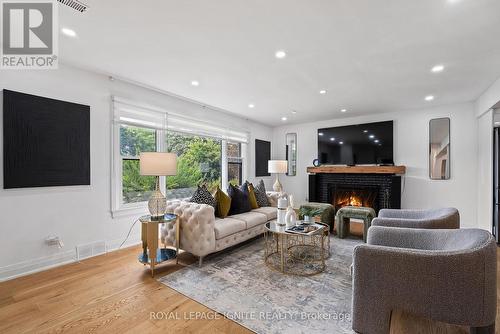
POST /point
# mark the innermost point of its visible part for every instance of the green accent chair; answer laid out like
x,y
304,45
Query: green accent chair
x,y
345,214
324,210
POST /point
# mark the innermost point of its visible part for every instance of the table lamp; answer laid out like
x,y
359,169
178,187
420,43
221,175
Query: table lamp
x,y
157,164
277,167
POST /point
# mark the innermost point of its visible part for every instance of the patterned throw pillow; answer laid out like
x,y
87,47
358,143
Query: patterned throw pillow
x,y
251,196
260,194
223,204
203,196
239,200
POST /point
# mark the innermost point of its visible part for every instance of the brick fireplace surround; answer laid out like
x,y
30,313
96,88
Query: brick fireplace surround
x,y
374,186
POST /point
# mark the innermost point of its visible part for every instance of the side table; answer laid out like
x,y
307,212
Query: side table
x,y
149,236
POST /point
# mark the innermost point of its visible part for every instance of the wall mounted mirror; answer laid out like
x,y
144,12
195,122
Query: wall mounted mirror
x,y
291,153
439,149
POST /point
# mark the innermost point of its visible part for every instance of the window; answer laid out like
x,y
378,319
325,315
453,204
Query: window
x,y
234,163
133,141
198,162
206,154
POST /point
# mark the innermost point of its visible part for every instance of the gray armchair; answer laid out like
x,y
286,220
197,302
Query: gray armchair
x,y
443,275
445,218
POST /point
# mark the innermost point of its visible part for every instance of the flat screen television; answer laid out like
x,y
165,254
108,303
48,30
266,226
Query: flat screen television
x,y
46,142
360,144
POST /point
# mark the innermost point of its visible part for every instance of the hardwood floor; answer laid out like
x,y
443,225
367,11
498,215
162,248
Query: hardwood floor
x,y
113,293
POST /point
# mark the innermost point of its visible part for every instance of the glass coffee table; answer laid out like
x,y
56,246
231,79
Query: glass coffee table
x,y
296,254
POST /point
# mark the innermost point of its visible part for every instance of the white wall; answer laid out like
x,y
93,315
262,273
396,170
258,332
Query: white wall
x,y
81,215
411,148
483,109
488,99
485,170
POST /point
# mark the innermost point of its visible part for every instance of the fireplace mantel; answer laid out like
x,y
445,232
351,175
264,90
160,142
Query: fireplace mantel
x,y
398,170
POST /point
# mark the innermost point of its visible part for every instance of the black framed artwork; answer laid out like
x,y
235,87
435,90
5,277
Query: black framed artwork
x,y
262,156
46,142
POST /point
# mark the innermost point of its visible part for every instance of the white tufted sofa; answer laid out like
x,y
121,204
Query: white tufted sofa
x,y
202,233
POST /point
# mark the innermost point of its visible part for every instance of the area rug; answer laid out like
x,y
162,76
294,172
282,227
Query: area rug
x,y
237,284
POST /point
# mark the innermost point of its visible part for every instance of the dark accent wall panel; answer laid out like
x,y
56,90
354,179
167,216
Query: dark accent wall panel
x,y
262,156
46,142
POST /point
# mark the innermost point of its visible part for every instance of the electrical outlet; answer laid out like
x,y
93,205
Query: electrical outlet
x,y
54,241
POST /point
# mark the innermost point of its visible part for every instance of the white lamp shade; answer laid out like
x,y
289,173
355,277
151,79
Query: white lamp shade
x,y
277,166
158,163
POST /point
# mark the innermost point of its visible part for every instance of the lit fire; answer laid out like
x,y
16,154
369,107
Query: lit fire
x,y
350,201
354,201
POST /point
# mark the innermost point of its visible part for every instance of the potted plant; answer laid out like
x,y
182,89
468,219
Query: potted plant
x,y
306,213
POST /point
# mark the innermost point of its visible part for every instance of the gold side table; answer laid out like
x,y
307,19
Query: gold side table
x,y
149,235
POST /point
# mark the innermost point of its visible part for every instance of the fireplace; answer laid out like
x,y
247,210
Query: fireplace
x,y
341,195
378,191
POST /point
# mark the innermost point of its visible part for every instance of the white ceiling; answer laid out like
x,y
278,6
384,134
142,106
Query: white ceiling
x,y
371,56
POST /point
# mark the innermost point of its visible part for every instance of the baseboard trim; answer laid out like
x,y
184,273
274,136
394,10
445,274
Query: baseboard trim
x,y
36,265
32,266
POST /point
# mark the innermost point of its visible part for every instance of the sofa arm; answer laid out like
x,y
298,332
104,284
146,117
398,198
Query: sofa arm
x,y
197,234
401,213
401,222
402,237
438,223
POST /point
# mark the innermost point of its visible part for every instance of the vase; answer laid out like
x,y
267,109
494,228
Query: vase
x,y
291,215
282,207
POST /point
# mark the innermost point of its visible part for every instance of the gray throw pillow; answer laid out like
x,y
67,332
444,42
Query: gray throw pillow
x,y
260,194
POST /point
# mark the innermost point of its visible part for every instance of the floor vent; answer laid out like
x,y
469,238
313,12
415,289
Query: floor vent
x,y
89,250
75,4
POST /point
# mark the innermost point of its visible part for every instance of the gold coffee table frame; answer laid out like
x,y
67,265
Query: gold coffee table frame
x,y
296,254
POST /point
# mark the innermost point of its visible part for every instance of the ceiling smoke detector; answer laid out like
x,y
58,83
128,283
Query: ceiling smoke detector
x,y
75,4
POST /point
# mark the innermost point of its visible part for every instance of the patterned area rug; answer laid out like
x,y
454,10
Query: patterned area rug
x,y
237,284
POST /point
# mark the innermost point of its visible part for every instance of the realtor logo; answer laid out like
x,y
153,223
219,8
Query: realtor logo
x,y
29,34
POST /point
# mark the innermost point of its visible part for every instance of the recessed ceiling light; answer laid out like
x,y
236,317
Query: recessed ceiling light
x,y
332,139
343,110
437,69
322,91
294,112
371,136
376,140
68,32
341,142
365,131
280,54
320,134
195,83
284,118
429,97
251,105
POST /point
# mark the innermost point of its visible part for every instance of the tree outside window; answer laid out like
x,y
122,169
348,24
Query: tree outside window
x,y
133,141
198,162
